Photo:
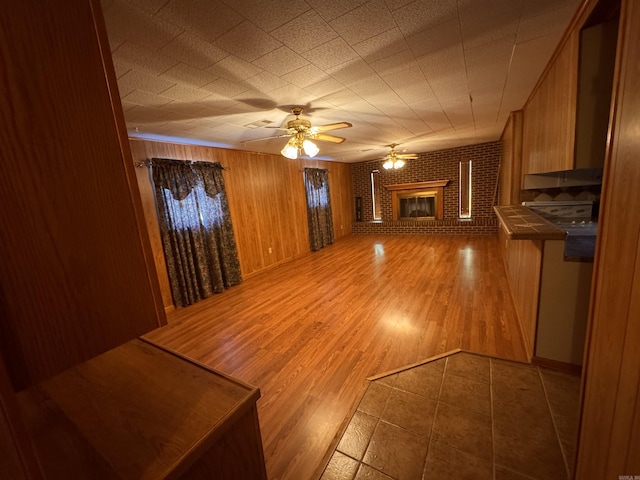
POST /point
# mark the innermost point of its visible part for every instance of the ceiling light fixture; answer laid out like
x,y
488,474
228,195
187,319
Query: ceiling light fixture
x,y
297,144
395,164
395,160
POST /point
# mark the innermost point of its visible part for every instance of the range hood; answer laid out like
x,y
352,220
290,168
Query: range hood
x,y
564,178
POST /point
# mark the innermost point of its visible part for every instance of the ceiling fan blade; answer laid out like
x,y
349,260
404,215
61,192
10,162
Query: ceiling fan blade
x,y
407,155
332,126
328,138
266,138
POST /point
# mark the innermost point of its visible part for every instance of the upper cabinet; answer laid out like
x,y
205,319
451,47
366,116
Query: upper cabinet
x,y
598,39
77,276
567,115
549,115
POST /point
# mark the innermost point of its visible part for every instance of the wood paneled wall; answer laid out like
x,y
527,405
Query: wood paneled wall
x,y
511,160
550,111
610,429
17,457
75,278
266,198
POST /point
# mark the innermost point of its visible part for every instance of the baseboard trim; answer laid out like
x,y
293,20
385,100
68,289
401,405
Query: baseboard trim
x,y
557,365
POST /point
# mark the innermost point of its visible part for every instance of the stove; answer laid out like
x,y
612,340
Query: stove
x,y
575,218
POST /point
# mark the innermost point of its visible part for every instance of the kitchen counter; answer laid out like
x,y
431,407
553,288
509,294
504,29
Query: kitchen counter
x,y
549,266
521,223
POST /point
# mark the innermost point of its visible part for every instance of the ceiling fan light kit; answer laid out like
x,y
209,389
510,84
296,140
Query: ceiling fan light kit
x,y
395,160
301,131
389,164
298,144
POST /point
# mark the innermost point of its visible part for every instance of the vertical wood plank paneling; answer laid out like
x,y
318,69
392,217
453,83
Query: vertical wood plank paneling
x,y
147,197
266,198
608,444
511,160
17,456
523,264
75,280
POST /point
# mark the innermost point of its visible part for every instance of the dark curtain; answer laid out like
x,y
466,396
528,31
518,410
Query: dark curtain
x,y
195,226
316,182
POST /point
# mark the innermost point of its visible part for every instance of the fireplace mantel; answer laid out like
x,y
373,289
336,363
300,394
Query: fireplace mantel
x,y
418,185
433,188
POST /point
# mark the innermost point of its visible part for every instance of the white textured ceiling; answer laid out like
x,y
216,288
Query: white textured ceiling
x,y
426,74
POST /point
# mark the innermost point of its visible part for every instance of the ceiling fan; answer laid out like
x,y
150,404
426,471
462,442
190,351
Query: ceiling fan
x,y
397,160
301,131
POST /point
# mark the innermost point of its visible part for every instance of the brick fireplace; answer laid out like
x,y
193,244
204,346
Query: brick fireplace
x,y
437,166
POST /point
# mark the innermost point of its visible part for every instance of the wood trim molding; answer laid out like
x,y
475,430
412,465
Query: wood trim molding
x,y
564,367
417,185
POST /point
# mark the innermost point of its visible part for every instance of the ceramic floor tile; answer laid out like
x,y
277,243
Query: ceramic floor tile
x,y
569,451
365,472
567,427
356,437
515,375
470,366
524,409
423,379
340,467
374,399
397,452
503,473
460,428
522,440
563,392
465,393
536,454
410,411
389,380
445,462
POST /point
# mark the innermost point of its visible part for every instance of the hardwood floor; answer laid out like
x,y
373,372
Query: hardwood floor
x,y
310,332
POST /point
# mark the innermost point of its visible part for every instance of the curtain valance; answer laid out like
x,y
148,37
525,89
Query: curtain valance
x,y
180,176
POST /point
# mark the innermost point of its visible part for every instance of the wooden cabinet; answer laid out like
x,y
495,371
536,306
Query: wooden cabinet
x,y
595,84
566,116
140,412
549,115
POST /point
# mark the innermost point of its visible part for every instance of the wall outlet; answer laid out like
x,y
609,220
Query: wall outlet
x,y
270,251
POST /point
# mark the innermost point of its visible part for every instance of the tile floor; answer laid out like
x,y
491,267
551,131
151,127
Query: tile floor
x,y
463,416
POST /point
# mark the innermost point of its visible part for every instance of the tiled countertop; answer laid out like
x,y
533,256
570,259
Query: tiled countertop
x,y
521,223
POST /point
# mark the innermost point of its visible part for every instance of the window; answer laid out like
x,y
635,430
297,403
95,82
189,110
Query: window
x,y
375,194
320,221
195,228
464,210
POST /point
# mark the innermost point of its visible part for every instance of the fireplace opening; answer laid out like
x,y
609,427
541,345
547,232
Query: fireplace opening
x,y
417,201
417,206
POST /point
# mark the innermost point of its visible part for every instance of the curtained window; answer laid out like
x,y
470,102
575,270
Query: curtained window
x,y
316,182
195,226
